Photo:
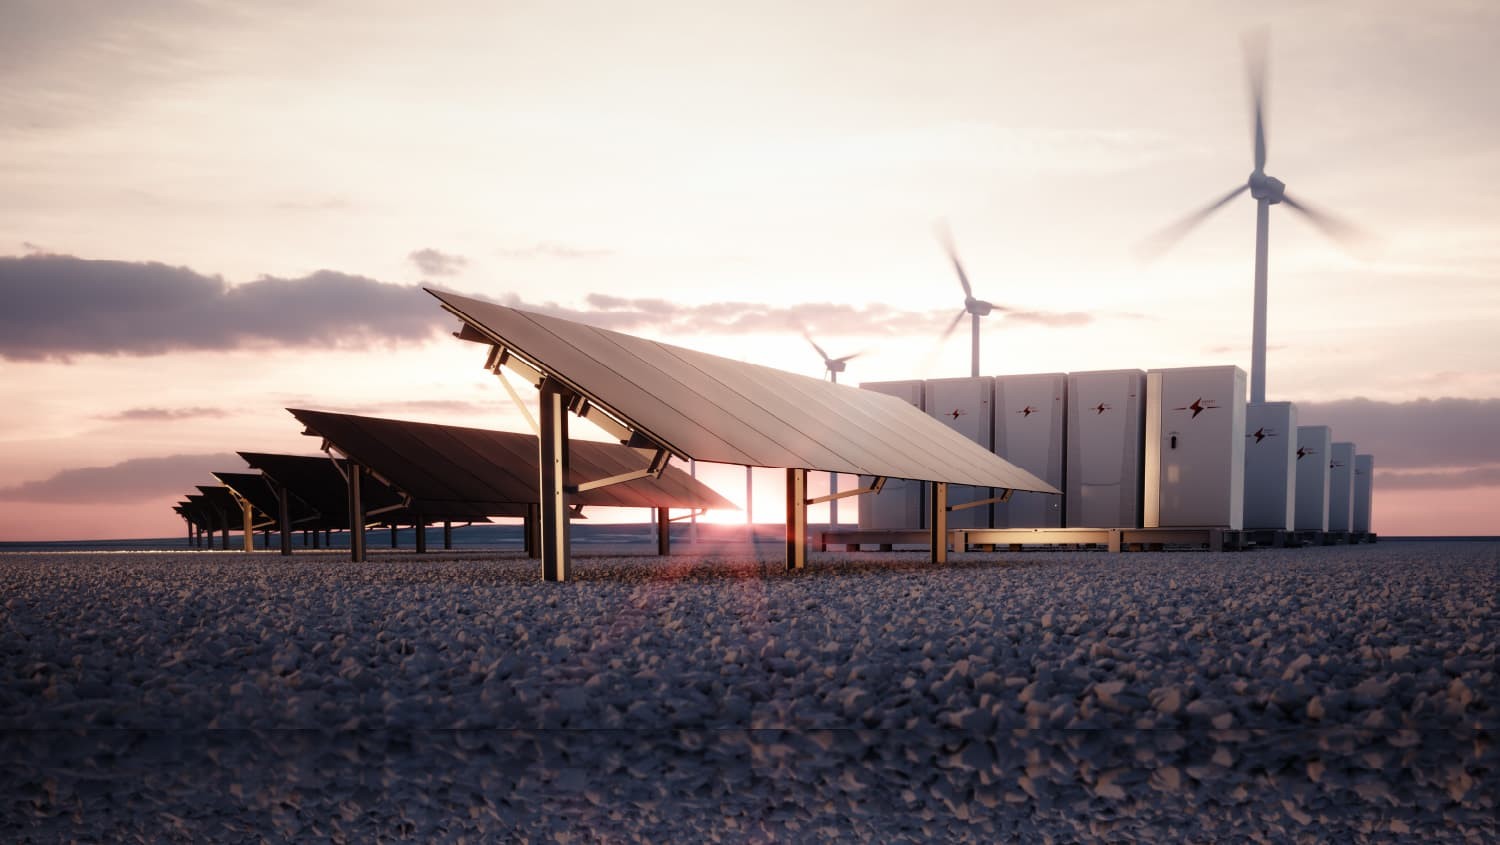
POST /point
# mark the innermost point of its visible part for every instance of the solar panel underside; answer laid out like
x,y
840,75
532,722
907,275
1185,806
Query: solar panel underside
x,y
252,486
716,409
319,484
443,465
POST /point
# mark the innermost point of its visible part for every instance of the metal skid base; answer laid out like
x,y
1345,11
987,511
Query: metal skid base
x,y
1016,538
1273,538
882,539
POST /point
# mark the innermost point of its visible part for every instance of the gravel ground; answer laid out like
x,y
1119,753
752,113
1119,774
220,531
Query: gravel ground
x,y
1319,695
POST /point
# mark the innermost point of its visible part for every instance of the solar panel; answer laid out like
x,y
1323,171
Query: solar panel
x,y
316,481
446,467
705,407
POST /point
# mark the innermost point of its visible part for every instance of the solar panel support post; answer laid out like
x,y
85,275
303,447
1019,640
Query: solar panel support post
x,y
284,521
531,538
937,519
447,534
553,460
663,531
421,529
796,518
223,529
394,527
356,514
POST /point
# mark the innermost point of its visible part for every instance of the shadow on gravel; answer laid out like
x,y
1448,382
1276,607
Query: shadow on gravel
x,y
695,786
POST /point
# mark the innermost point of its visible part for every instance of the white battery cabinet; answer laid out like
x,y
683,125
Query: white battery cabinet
x,y
1341,488
1030,424
899,504
1106,424
1270,466
966,405
1314,450
1195,448
1364,478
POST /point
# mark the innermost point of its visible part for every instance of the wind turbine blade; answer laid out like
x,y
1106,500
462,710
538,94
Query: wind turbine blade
x,y
946,239
1255,61
850,357
821,353
1347,234
953,325
1166,238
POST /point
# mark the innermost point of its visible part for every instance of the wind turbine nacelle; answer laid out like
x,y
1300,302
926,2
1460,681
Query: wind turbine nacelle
x,y
1269,188
836,366
978,307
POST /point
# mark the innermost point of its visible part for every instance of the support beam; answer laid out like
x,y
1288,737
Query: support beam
x,y
421,529
553,459
796,518
531,534
393,535
356,514
247,523
223,530
937,519
663,531
284,521
447,534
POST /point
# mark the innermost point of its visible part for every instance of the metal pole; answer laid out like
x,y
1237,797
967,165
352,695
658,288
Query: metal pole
x,y
1258,329
421,529
974,363
833,480
447,534
937,517
356,514
553,460
284,521
796,518
223,530
693,514
663,531
247,525
393,535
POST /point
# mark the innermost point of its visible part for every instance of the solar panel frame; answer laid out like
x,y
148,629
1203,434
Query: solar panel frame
x,y
827,427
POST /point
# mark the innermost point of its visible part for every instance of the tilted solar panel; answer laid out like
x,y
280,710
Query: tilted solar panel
x,y
709,408
443,466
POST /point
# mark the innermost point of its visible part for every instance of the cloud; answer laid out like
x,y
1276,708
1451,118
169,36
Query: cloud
x,y
548,249
58,306
1421,434
823,319
435,263
1486,476
133,479
164,414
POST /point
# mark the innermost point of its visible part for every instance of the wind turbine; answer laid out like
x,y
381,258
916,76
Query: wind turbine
x,y
831,367
1267,191
975,308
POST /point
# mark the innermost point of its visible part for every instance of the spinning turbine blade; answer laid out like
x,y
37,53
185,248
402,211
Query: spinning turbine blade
x,y
821,353
1255,60
1166,238
946,239
848,358
1346,234
953,325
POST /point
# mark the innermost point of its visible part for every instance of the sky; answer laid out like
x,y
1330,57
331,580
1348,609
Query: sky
x,y
212,211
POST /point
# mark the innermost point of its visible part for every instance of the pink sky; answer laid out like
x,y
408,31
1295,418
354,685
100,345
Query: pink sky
x,y
276,181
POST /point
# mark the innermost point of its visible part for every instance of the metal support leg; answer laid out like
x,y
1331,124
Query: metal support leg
x,y
531,531
553,459
393,535
284,521
937,518
663,531
356,514
421,529
247,524
224,530
447,534
796,518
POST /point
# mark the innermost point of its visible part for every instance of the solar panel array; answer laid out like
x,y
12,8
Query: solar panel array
x,y
451,469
